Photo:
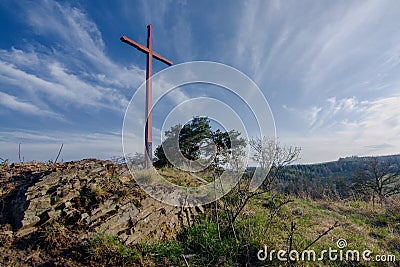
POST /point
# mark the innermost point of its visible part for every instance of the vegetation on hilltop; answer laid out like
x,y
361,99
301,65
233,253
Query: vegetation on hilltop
x,y
351,177
295,208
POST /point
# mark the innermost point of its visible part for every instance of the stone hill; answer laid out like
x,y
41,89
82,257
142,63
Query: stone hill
x,y
83,198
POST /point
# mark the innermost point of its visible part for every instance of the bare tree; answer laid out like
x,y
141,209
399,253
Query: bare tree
x,y
59,153
378,177
271,157
264,151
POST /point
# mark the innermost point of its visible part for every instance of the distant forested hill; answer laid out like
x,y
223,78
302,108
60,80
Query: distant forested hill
x,y
333,179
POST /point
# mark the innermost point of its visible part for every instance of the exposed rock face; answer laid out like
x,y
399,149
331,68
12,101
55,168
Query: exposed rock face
x,y
87,197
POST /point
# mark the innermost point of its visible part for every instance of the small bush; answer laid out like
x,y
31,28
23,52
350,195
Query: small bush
x,y
380,221
201,241
3,163
167,253
144,176
105,250
56,236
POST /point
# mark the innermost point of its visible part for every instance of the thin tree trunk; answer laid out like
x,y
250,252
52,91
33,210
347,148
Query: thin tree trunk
x,y
216,209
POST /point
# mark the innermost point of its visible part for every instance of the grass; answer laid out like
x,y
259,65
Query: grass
x,y
361,225
200,244
179,177
167,253
108,251
311,218
175,176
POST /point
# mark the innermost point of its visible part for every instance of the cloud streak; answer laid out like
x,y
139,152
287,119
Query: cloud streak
x,y
330,70
74,71
100,145
349,127
13,103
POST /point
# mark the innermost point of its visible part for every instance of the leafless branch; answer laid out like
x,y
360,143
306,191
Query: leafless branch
x,y
184,258
19,152
59,152
336,224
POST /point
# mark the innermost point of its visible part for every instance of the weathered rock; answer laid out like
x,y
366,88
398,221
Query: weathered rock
x,y
89,197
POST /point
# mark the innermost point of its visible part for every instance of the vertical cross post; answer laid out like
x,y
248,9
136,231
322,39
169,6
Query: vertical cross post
x,y
148,135
148,152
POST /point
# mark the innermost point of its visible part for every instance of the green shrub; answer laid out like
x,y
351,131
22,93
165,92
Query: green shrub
x,y
202,242
3,163
108,251
144,176
167,253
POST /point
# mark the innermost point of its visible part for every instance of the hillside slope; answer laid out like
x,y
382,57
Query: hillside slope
x,y
327,179
77,201
92,213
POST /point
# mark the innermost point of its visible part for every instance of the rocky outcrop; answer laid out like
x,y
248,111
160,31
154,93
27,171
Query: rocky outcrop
x,y
87,197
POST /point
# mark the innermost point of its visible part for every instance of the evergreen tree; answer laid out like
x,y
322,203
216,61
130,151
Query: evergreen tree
x,y
194,135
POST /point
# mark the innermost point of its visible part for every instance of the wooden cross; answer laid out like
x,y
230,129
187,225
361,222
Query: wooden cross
x,y
150,54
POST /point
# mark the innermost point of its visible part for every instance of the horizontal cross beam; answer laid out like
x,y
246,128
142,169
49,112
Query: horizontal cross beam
x,y
145,49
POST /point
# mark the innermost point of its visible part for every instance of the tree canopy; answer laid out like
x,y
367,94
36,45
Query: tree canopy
x,y
195,135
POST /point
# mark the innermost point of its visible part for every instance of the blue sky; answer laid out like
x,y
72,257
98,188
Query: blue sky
x,y
330,70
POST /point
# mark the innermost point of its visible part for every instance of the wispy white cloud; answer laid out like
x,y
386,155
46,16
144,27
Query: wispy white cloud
x,y
13,103
77,35
322,116
99,145
15,77
178,33
67,25
67,75
347,45
60,87
331,67
154,12
26,58
350,127
249,42
312,115
379,146
319,49
75,71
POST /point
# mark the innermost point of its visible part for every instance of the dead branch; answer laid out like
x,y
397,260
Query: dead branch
x,y
336,224
19,152
59,152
